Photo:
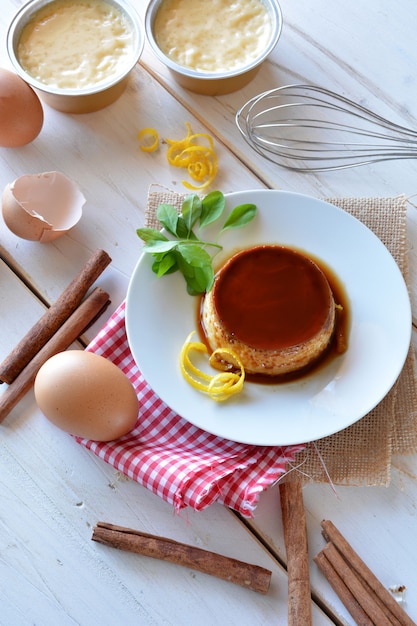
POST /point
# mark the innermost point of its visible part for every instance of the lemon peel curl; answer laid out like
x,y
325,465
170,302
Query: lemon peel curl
x,y
221,386
195,152
149,139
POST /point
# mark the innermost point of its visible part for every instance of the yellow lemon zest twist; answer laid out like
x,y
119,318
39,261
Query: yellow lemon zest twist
x,y
220,386
149,139
197,157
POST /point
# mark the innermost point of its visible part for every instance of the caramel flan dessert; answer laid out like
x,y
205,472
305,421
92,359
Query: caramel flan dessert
x,y
273,307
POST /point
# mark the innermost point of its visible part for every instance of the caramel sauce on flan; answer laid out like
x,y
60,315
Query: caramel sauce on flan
x,y
275,307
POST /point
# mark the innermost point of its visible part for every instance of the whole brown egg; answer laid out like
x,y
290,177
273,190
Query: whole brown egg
x,y
21,112
86,395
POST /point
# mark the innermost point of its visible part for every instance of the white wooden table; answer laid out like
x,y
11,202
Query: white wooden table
x,y
52,490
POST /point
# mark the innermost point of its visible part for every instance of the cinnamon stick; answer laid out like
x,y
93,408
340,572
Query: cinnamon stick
x,y
296,545
54,317
355,585
74,326
344,593
381,595
246,575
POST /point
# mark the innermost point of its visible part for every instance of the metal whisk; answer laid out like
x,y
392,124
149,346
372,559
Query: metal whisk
x,y
311,129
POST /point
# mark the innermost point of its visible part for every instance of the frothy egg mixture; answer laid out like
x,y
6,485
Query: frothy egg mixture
x,y
213,36
76,44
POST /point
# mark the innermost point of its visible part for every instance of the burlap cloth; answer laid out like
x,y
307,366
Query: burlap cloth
x,y
362,453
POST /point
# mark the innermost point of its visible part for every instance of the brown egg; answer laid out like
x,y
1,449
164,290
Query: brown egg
x,y
21,112
86,395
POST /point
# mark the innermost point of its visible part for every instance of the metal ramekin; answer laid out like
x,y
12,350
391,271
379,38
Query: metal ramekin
x,y
71,100
214,83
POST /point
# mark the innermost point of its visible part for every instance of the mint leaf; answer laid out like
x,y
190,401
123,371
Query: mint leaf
x,y
168,216
202,281
240,216
195,265
165,264
191,211
150,234
212,207
156,247
194,254
183,231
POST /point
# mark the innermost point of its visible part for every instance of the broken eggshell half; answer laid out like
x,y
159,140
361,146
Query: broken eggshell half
x,y
42,207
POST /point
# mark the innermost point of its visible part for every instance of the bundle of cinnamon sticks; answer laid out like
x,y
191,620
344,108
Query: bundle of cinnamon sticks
x,y
65,320
364,596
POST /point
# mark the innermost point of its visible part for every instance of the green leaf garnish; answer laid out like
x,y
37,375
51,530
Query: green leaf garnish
x,y
212,207
168,217
165,263
150,234
191,211
157,246
187,251
240,216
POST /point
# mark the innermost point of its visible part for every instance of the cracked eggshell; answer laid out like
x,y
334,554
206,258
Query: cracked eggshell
x,y
42,207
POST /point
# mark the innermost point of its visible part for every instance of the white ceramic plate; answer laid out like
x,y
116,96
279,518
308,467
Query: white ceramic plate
x,y
160,315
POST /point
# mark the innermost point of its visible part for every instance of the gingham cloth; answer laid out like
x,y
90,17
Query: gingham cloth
x,y
183,464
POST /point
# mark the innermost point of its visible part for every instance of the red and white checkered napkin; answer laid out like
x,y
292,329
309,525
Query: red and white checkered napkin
x,y
183,464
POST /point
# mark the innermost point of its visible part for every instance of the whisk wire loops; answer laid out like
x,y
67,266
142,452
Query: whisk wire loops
x,y
309,128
